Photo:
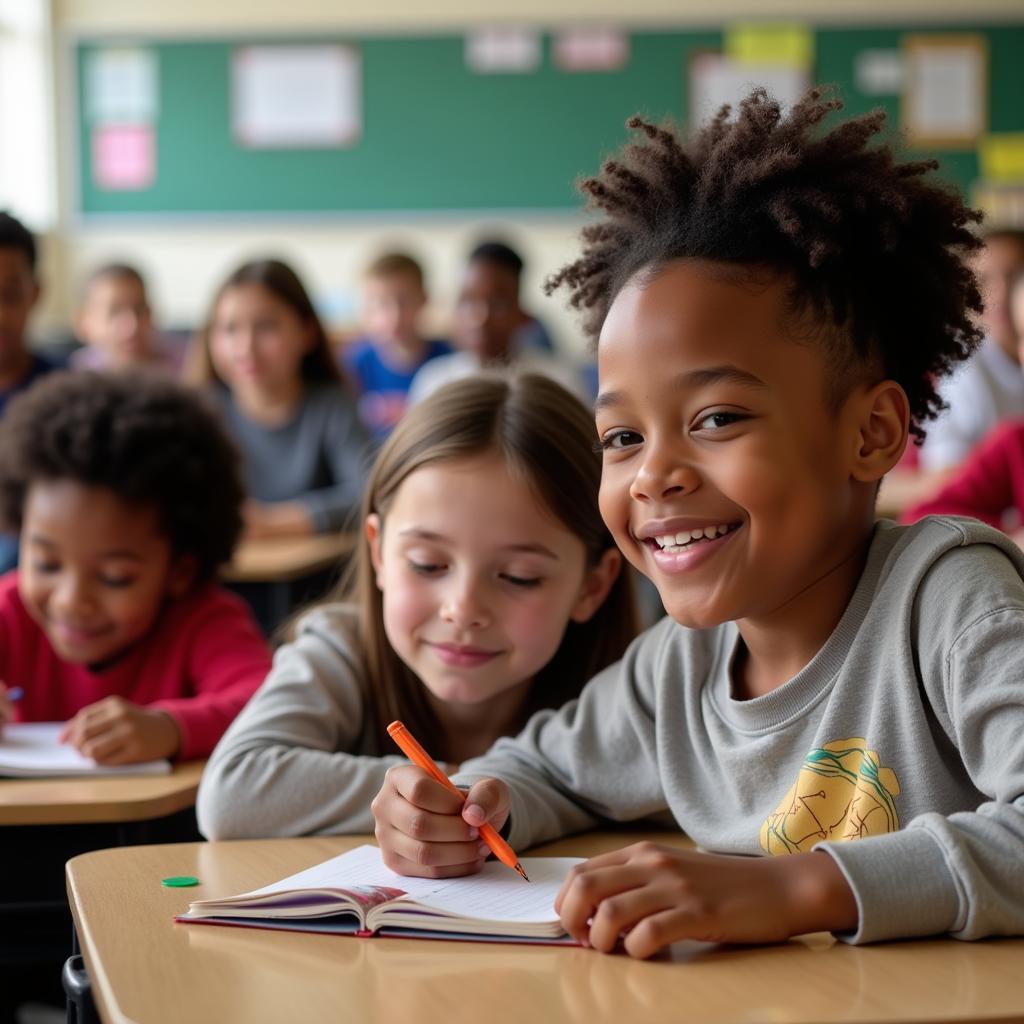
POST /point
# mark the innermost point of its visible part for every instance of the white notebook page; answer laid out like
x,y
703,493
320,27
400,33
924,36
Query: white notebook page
x,y
497,893
31,750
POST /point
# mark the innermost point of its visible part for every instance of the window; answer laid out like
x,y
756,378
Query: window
x,y
27,178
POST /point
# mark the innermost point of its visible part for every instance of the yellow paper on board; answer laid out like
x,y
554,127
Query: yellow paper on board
x,y
789,44
1002,157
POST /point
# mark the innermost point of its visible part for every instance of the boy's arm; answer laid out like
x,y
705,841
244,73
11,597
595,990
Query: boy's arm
x,y
594,759
227,660
284,767
961,873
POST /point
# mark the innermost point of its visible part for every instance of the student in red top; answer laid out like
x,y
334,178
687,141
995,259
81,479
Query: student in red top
x,y
989,486
128,498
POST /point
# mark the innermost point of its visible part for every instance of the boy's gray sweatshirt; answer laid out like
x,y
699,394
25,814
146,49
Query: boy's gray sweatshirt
x,y
905,734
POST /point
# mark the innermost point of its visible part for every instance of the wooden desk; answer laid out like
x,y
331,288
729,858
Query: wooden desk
x,y
43,822
145,967
112,798
287,558
278,576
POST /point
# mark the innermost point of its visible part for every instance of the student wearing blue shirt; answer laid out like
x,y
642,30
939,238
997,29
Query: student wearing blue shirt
x,y
384,361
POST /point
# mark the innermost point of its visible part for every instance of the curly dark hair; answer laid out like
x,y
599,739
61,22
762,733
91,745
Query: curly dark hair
x,y
148,440
873,250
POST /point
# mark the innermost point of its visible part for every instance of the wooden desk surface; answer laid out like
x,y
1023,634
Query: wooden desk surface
x,y
145,967
111,798
286,558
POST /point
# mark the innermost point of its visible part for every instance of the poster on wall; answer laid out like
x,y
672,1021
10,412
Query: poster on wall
x,y
590,48
296,96
121,85
121,103
716,80
123,157
945,100
503,49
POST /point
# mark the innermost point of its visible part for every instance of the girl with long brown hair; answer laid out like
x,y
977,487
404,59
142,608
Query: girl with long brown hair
x,y
266,359
485,587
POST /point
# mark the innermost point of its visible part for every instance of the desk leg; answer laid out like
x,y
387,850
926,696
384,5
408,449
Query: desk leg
x,y
80,1008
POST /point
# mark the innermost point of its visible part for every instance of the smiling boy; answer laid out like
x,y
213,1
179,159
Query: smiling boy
x,y
774,303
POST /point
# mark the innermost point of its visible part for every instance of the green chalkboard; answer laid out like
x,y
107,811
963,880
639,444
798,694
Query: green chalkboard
x,y
437,136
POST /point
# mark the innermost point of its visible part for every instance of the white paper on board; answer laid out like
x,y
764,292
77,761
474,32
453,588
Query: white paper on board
x,y
716,80
946,92
879,72
591,48
296,96
121,85
503,50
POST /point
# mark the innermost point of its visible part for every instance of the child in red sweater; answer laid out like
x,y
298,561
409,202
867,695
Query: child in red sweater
x,y
988,486
128,498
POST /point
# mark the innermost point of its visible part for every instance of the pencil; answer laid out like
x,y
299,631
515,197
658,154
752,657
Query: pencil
x,y
419,757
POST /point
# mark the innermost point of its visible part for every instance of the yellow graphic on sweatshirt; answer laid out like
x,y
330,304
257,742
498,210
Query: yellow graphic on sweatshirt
x,y
842,792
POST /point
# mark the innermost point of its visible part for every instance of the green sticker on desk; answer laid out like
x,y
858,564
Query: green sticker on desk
x,y
179,882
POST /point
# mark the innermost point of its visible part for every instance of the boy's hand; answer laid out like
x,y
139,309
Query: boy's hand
x,y
115,731
420,828
654,896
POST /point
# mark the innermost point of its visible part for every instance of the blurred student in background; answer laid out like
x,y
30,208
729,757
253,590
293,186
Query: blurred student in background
x,y
19,292
115,325
383,361
990,386
491,330
989,485
304,448
493,265
127,494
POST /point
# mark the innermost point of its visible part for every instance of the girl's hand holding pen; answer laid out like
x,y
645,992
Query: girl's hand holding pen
x,y
420,828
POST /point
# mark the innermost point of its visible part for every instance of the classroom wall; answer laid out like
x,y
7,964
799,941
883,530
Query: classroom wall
x,y
184,259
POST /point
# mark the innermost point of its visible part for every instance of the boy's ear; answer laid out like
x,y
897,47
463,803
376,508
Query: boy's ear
x,y
182,575
883,415
374,533
596,584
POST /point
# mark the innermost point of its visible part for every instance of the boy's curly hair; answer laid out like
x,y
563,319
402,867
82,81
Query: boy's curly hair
x,y
875,250
148,440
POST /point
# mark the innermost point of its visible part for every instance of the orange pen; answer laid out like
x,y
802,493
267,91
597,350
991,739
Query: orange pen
x,y
419,757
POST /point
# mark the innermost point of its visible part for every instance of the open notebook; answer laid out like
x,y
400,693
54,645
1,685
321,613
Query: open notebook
x,y
30,750
355,894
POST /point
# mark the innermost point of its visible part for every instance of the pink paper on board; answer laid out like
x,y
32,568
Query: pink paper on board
x,y
123,157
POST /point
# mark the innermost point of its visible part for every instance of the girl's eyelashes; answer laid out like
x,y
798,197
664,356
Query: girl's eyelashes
x,y
425,568
434,569
522,581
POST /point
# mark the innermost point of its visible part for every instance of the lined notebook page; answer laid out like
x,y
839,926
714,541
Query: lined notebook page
x,y
497,893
